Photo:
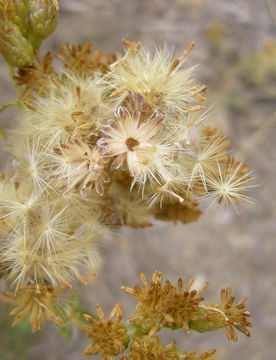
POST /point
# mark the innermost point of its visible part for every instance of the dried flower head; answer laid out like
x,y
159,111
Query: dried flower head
x,y
184,303
234,315
38,303
164,306
80,60
152,348
109,337
226,315
82,166
131,142
35,77
152,303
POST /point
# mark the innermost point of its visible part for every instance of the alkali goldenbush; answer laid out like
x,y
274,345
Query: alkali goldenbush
x,y
108,142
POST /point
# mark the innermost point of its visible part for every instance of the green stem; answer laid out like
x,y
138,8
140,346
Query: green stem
x,y
13,103
2,108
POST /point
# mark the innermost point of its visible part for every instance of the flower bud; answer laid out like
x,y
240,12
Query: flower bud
x,y
43,18
19,15
14,46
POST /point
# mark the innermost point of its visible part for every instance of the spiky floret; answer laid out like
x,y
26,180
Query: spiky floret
x,y
36,302
109,336
162,81
79,164
228,315
230,183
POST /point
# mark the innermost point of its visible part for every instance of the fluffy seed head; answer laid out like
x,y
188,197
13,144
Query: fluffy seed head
x,y
230,183
44,243
159,79
74,107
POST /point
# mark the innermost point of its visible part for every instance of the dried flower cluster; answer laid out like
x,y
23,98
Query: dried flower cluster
x,y
110,141
160,306
108,337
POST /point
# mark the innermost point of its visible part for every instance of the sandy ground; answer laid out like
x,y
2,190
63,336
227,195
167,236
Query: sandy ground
x,y
222,247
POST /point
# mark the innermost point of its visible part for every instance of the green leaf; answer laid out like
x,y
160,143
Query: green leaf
x,y
73,315
67,330
15,342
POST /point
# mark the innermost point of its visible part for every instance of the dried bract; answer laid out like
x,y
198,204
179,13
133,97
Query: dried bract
x,y
36,302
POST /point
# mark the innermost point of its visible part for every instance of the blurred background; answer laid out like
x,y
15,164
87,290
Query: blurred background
x,y
236,50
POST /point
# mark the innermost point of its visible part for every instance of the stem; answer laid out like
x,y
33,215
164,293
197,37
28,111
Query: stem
x,y
3,107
